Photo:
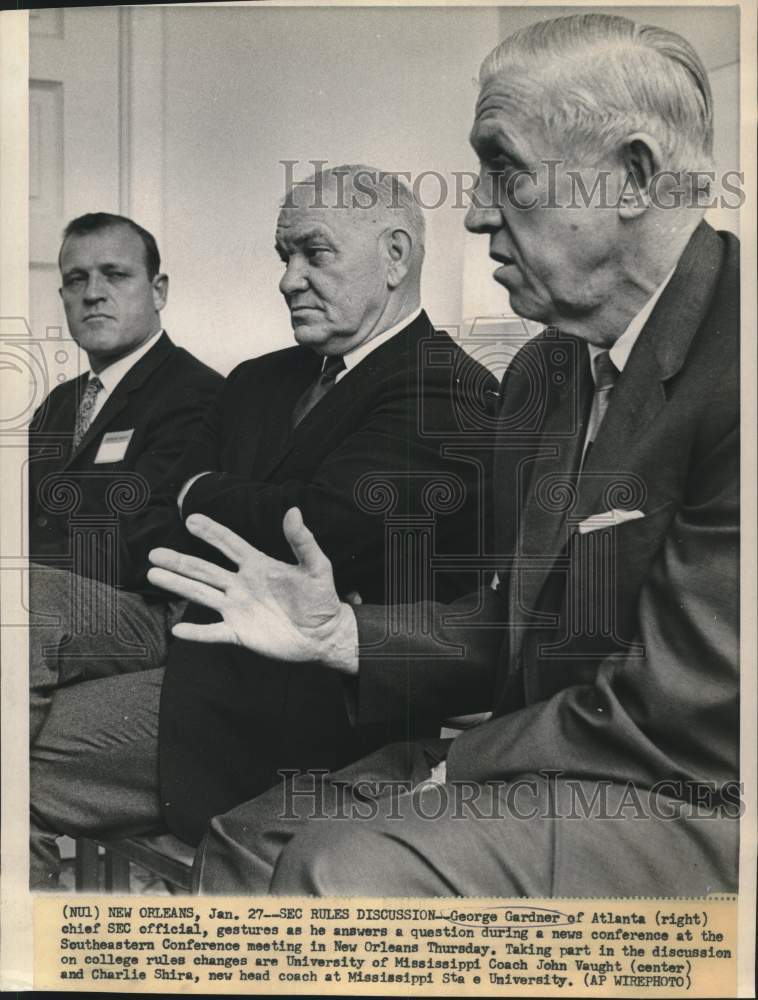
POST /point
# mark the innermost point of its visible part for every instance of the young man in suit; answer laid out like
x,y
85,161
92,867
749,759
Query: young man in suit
x,y
378,426
99,445
607,645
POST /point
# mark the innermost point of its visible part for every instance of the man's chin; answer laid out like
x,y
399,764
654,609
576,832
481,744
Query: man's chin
x,y
527,306
96,339
310,335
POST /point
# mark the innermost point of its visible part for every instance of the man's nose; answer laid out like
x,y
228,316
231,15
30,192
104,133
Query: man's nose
x,y
482,217
94,290
294,279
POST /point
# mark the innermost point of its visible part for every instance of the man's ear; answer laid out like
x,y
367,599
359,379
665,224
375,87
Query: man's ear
x,y
641,158
399,248
160,290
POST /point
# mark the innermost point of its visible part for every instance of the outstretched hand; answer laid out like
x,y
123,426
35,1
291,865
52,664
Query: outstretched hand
x,y
281,611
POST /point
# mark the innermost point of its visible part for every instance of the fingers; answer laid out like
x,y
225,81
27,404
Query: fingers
x,y
303,544
191,567
201,593
217,632
232,546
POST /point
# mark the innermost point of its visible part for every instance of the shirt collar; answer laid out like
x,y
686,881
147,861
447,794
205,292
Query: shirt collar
x,y
112,375
619,353
354,357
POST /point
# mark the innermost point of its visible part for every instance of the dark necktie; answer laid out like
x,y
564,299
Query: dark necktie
x,y
605,375
316,392
86,408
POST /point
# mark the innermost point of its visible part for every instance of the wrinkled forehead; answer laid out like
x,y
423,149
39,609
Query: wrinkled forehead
x,y
323,192
334,214
294,222
508,105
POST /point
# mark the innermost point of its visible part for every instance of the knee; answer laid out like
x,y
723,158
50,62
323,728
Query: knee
x,y
237,854
333,862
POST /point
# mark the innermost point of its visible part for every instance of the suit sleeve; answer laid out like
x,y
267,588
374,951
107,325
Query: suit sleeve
x,y
166,443
387,444
443,661
672,713
200,450
161,464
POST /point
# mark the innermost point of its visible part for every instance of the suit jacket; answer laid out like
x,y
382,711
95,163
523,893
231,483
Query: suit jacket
x,y
610,653
389,445
387,472
79,503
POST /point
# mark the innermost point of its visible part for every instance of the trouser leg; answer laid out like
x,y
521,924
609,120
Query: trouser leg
x,y
81,629
529,837
94,769
241,848
429,845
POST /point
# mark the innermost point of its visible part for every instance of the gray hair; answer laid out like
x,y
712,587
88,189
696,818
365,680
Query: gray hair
x,y
360,187
595,78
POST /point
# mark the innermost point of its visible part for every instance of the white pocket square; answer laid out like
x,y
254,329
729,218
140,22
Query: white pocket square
x,y
608,519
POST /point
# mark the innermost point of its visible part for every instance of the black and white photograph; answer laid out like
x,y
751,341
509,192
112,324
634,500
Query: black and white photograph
x,y
372,459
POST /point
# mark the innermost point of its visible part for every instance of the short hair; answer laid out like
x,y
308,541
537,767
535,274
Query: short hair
x,y
93,222
599,77
369,187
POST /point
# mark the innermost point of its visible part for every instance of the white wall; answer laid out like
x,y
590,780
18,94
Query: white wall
x,y
210,99
248,87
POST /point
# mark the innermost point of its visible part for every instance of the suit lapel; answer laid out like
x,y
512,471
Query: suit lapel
x,y
271,422
640,394
52,430
63,419
551,478
119,398
636,404
328,418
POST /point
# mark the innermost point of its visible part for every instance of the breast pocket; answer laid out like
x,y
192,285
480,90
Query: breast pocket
x,y
639,538
596,611
610,565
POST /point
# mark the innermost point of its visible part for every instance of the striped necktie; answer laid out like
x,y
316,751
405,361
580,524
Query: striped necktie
x,y
316,392
86,408
605,375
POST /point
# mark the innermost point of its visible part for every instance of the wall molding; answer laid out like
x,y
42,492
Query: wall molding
x,y
142,115
124,109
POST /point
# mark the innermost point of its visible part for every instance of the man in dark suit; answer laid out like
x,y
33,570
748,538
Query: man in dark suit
x,y
366,466
99,445
607,645
375,424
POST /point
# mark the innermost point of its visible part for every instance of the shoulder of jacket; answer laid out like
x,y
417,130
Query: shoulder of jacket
x,y
58,393
188,363
446,357
281,360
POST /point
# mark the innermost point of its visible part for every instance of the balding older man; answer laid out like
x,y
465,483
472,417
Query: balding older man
x,y
607,648
357,425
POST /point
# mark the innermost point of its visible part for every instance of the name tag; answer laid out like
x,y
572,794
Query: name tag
x,y
113,446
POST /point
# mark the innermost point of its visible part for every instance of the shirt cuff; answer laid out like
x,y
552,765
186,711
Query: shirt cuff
x,y
187,487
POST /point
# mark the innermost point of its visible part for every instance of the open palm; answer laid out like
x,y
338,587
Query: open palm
x,y
287,612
